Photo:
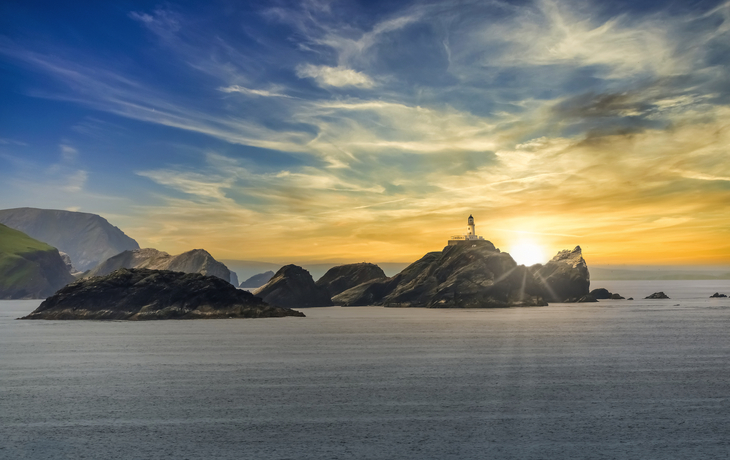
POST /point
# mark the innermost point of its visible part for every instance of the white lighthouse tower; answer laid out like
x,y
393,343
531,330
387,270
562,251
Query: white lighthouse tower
x,y
471,234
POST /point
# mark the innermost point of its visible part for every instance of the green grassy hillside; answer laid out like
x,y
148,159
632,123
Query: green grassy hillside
x,y
15,242
28,267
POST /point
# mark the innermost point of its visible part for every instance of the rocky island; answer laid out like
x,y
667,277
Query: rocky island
x,y
144,294
471,274
293,286
343,277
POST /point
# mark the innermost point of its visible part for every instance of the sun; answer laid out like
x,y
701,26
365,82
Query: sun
x,y
527,253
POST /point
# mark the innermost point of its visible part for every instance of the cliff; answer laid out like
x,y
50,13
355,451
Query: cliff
x,y
195,261
87,238
29,269
292,286
343,277
143,294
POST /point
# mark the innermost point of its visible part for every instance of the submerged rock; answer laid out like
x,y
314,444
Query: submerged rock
x,y
292,286
143,294
657,295
343,277
717,294
469,275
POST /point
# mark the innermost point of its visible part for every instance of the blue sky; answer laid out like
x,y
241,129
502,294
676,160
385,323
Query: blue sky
x,y
350,130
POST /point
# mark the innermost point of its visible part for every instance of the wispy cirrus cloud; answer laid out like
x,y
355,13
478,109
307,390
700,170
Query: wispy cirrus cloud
x,y
335,76
252,92
540,115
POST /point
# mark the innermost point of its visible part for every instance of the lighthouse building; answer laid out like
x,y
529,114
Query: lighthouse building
x,y
471,234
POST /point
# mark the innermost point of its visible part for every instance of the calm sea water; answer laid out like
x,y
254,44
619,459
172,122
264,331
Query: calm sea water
x,y
616,379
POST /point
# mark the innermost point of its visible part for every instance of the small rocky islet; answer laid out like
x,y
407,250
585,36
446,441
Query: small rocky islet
x,y
657,295
144,294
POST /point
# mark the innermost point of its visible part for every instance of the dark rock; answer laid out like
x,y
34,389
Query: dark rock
x,y
584,299
564,277
343,277
142,294
630,298
601,293
717,294
194,261
87,238
657,295
474,275
293,286
258,280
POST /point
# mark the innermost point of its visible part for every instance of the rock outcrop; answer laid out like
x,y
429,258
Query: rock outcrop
x,y
717,295
657,295
143,294
69,264
29,269
603,294
293,287
256,281
87,238
195,261
474,275
585,299
564,277
343,277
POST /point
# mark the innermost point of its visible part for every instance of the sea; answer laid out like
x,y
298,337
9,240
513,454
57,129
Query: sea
x,y
617,379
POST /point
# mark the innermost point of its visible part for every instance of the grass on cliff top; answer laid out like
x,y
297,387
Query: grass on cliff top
x,y
16,242
14,268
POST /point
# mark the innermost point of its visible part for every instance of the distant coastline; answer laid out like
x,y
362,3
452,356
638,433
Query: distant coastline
x,y
648,272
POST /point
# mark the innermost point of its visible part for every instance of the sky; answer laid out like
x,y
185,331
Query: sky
x,y
369,131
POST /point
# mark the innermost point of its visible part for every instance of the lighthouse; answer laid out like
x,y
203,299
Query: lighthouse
x,y
471,234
